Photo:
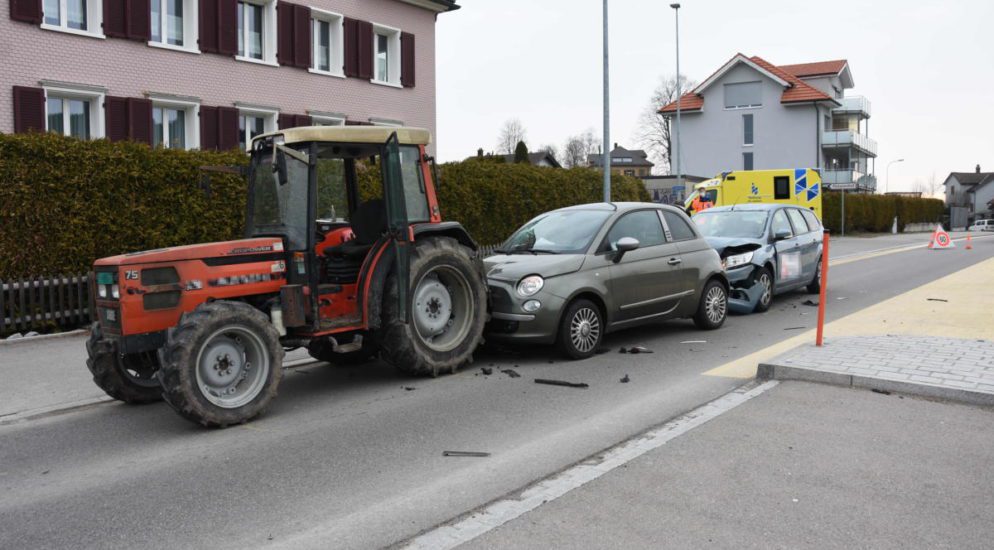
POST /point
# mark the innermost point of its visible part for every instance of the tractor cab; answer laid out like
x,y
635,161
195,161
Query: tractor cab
x,y
345,253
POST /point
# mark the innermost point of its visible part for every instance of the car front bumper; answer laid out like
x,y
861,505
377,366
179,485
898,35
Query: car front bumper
x,y
510,323
745,293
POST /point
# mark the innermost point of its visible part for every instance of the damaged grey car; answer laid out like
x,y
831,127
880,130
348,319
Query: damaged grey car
x,y
766,249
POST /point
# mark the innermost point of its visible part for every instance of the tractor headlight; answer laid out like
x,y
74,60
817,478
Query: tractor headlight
x,y
102,291
737,260
530,285
115,292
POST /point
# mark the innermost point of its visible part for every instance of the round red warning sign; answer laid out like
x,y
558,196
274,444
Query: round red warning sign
x,y
940,239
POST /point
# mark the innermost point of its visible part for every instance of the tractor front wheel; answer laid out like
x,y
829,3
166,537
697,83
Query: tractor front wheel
x,y
221,364
448,310
129,378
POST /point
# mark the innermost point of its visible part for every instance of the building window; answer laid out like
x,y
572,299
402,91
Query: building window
x,y
254,122
257,32
174,24
386,55
629,172
743,95
73,113
747,130
747,161
327,36
175,124
76,16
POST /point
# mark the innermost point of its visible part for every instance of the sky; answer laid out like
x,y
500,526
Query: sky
x,y
926,67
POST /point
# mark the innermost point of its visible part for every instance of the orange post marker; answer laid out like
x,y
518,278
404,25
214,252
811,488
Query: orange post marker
x,y
821,295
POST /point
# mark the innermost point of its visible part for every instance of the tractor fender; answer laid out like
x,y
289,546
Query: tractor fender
x,y
445,229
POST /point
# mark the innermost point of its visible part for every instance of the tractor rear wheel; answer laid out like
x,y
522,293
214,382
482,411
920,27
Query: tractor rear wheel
x,y
448,307
221,364
129,378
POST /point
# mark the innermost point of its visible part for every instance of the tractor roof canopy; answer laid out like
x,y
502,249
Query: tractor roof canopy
x,y
352,134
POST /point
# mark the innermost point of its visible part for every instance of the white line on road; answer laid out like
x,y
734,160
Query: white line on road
x,y
499,512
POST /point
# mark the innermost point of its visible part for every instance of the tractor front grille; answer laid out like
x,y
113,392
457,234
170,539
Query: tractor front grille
x,y
159,276
161,300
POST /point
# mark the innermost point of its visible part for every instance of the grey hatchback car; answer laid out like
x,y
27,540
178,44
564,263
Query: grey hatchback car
x,y
572,275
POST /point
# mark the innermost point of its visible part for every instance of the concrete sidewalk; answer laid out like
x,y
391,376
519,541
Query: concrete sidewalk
x,y
803,465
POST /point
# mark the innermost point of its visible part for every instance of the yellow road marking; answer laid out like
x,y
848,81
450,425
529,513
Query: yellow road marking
x,y
965,314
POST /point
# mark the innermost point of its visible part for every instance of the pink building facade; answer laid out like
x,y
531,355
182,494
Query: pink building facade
x,y
213,73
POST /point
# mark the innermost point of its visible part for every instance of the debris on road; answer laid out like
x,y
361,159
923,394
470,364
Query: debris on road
x,y
487,370
809,303
841,298
882,392
623,350
639,349
465,453
937,300
409,388
694,342
561,383
795,328
512,373
625,379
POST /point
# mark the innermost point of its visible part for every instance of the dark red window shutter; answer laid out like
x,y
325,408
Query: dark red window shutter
x,y
28,11
301,36
351,47
140,119
227,128
139,20
116,112
302,120
208,128
29,109
284,33
285,121
357,123
364,39
227,27
407,59
116,18
208,26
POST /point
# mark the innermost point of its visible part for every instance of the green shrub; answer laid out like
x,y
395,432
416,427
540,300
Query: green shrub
x,y
875,213
64,202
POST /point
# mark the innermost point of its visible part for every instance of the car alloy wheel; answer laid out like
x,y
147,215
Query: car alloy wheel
x,y
585,329
716,304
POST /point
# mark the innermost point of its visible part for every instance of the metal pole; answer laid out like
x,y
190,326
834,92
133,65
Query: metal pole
x,y
887,181
606,156
679,94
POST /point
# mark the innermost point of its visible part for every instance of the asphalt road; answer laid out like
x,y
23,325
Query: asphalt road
x,y
350,458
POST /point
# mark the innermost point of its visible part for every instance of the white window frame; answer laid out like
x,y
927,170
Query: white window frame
x,y
92,94
268,34
269,115
94,14
749,106
327,119
753,119
336,57
191,28
393,55
192,109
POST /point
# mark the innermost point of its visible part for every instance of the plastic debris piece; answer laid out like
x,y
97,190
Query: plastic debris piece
x,y
882,392
809,303
639,349
561,383
487,370
694,342
465,453
511,373
937,300
409,388
795,328
625,379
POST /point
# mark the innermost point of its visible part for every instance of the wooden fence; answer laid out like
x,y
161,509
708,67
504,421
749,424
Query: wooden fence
x,y
45,303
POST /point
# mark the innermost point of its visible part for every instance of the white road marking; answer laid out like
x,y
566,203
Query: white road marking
x,y
499,512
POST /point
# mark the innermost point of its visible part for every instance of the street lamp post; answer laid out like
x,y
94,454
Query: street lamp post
x,y
606,156
679,93
887,181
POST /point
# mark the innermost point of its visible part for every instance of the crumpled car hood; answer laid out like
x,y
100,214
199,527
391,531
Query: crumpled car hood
x,y
727,246
515,266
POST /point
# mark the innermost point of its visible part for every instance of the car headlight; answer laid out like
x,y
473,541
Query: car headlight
x,y
737,260
530,285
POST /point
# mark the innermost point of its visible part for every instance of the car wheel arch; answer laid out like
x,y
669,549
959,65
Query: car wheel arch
x,y
594,297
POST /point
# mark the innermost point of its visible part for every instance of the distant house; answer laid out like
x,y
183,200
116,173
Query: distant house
x,y
669,189
630,162
973,191
541,158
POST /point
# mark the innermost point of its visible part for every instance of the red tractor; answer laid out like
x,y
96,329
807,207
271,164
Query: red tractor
x,y
205,326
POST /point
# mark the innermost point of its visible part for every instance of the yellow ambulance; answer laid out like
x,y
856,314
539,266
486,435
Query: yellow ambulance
x,y
797,186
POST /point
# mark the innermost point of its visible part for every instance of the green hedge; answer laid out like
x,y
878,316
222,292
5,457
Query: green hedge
x,y
65,202
875,213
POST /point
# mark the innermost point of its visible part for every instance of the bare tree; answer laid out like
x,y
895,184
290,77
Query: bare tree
x,y
577,147
511,133
919,186
933,186
654,129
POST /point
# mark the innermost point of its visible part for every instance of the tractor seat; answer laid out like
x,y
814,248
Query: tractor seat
x,y
369,222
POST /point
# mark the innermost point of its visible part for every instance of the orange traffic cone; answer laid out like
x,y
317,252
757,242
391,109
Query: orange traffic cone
x,y
968,245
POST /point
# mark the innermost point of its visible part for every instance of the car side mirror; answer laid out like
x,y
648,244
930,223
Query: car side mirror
x,y
624,244
781,235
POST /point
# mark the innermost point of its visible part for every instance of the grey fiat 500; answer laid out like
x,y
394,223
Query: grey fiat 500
x,y
572,275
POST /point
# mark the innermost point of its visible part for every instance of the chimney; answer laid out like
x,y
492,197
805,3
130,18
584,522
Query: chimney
x,y
978,168
616,145
479,153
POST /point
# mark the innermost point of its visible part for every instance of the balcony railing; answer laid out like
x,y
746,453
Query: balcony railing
x,y
855,105
848,138
832,177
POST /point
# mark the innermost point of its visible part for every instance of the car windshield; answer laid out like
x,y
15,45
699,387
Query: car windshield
x,y
732,223
562,232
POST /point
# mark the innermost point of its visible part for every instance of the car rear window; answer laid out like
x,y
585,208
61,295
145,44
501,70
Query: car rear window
x,y
679,228
813,223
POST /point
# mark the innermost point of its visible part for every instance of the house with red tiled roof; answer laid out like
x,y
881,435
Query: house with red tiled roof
x,y
752,114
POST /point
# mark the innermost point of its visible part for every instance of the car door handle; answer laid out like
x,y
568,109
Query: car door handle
x,y
674,261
